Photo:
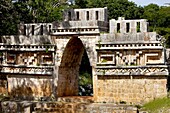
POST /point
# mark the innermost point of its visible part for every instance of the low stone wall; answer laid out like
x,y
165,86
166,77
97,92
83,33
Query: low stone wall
x,y
64,107
3,87
130,89
29,87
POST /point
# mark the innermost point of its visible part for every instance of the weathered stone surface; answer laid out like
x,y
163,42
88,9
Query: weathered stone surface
x,y
3,87
26,40
128,63
16,107
29,88
70,107
131,89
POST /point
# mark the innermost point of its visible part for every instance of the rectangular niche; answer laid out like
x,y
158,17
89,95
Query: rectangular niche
x,y
46,59
107,59
11,58
153,58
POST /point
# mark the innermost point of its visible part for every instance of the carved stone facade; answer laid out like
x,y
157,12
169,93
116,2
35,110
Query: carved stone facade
x,y
128,63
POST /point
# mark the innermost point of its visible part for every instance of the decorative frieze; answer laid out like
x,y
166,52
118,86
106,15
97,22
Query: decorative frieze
x,y
49,47
130,57
107,46
27,59
132,70
76,31
33,70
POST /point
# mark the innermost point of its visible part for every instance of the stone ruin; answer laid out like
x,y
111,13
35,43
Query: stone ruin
x,y
129,64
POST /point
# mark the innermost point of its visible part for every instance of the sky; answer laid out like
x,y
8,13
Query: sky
x,y
146,2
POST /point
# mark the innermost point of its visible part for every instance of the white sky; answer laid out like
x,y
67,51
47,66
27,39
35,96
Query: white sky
x,y
146,2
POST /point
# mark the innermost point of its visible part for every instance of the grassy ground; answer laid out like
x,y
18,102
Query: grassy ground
x,y
161,105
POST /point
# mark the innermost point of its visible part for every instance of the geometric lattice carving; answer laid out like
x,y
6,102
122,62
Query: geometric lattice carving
x,y
127,58
131,57
138,54
27,70
134,70
30,59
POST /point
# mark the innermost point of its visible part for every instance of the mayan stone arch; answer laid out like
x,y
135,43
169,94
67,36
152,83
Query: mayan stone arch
x,y
68,69
128,63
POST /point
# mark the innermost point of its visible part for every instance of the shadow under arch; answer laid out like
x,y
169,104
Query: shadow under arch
x,y
68,73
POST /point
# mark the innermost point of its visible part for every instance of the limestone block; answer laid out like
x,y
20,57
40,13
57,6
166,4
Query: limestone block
x,y
136,90
26,40
3,87
30,87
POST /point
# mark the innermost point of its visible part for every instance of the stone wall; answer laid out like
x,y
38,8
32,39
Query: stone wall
x,y
25,40
86,14
128,26
3,87
29,87
32,29
130,89
63,107
130,61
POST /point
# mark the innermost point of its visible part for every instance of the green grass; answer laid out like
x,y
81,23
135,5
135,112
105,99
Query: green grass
x,y
161,105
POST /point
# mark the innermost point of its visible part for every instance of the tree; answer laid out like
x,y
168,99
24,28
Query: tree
x,y
22,12
124,8
28,11
80,4
164,17
44,10
7,20
116,8
151,14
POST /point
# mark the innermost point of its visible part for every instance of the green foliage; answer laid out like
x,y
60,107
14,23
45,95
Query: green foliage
x,y
116,8
44,10
80,4
1,54
159,20
46,49
7,16
85,71
85,79
163,17
104,60
151,14
99,44
158,105
28,11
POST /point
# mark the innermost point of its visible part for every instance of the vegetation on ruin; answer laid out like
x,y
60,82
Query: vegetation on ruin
x,y
157,16
160,105
28,11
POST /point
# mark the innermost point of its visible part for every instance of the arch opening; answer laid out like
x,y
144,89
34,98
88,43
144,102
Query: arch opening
x,y
85,77
71,67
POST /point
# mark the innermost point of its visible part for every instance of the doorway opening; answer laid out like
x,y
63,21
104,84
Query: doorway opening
x,y
74,71
85,77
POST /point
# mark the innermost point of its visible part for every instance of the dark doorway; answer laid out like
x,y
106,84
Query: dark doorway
x,y
85,77
74,65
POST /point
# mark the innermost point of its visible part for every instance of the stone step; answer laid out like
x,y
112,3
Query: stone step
x,y
53,110
76,99
67,107
57,105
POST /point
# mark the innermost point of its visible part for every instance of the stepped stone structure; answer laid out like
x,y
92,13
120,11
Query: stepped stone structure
x,y
129,64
